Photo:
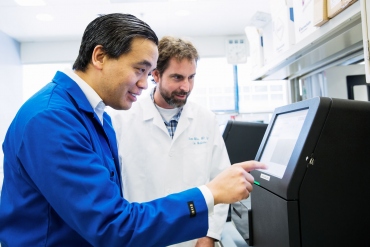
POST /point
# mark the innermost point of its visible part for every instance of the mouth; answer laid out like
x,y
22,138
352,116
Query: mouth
x,y
181,95
134,95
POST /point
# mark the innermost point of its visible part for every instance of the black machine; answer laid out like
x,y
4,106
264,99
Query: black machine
x,y
316,190
242,139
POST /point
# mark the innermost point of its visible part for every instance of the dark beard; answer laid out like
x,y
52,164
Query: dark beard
x,y
170,98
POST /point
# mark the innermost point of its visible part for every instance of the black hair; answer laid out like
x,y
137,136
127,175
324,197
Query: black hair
x,y
114,32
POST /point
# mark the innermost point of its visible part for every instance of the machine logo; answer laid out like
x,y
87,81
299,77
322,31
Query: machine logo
x,y
264,176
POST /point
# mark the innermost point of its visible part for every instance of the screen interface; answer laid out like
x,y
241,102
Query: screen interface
x,y
281,142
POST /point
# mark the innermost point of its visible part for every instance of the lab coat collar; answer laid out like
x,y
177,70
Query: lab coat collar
x,y
186,117
74,90
151,112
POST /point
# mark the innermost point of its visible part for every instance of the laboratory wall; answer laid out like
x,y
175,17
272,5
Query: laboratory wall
x,y
336,81
10,86
67,51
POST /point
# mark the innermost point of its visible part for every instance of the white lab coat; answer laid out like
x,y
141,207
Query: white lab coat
x,y
153,165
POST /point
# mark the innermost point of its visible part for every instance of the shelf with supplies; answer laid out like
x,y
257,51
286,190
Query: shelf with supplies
x,y
340,37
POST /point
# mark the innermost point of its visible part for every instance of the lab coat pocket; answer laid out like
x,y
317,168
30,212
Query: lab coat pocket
x,y
196,165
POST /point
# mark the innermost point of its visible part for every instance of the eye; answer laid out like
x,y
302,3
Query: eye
x,y
141,70
177,77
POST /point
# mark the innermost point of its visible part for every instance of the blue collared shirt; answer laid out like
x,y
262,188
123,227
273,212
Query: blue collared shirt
x,y
60,173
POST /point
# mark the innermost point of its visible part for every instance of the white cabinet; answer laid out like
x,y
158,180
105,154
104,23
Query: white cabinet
x,y
340,37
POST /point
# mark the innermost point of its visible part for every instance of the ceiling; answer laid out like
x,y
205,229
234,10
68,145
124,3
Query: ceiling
x,y
182,18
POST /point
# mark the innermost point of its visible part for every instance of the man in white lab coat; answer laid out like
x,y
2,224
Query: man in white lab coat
x,y
167,144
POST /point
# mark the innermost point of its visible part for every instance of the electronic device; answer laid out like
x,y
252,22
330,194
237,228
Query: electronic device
x,y
315,191
242,139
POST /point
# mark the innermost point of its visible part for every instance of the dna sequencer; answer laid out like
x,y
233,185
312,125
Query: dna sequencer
x,y
316,190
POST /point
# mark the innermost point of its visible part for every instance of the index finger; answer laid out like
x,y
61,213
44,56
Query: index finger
x,y
252,165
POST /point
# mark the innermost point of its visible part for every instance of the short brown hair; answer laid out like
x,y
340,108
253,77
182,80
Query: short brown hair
x,y
170,47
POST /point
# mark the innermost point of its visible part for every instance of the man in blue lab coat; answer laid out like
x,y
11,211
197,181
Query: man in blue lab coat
x,y
61,173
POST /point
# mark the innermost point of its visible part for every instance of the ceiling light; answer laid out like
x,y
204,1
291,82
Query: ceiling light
x,y
44,17
135,1
30,2
182,0
182,13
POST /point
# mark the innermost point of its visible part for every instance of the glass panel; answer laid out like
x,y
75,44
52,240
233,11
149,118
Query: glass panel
x,y
214,84
276,87
35,76
264,97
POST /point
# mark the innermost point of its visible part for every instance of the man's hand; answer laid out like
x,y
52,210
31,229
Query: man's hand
x,y
205,242
234,183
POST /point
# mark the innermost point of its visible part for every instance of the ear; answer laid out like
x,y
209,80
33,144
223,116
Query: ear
x,y
98,57
156,76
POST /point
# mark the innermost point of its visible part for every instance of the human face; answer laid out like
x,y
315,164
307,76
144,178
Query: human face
x,y
123,79
175,84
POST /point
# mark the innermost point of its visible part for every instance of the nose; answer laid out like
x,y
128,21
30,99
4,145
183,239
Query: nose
x,y
185,85
142,83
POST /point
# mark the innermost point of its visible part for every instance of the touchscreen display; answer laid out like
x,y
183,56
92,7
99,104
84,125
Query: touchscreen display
x,y
281,142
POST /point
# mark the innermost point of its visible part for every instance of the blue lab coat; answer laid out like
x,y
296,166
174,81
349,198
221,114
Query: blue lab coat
x,y
62,183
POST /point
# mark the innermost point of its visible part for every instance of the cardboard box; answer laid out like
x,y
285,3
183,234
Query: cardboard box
x,y
268,49
303,18
282,18
320,13
337,6
255,39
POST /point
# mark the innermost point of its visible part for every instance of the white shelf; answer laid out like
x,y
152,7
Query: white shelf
x,y
334,27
